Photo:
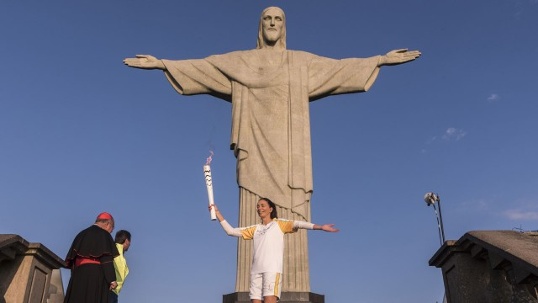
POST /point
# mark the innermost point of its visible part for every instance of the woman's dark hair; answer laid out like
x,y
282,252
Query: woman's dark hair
x,y
274,213
121,236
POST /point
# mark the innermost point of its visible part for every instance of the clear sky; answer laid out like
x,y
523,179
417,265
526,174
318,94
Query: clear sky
x,y
80,133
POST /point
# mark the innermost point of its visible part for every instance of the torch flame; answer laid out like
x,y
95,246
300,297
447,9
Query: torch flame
x,y
208,160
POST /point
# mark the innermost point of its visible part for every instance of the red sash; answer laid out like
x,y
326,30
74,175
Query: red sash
x,y
82,260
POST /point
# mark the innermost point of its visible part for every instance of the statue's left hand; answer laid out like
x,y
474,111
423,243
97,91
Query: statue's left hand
x,y
144,62
399,56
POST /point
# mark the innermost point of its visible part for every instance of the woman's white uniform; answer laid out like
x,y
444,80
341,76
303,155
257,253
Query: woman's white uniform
x,y
268,251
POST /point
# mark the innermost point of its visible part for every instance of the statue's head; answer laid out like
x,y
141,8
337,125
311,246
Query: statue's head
x,y
272,28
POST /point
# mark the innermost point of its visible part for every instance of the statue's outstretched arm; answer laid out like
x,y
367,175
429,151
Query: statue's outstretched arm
x,y
144,62
399,56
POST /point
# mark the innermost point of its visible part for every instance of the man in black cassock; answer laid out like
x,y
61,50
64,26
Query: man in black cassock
x,y
90,259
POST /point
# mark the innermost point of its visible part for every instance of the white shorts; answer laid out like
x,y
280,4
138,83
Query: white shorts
x,y
265,284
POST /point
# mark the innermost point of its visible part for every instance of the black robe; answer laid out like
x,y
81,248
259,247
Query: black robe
x,y
89,283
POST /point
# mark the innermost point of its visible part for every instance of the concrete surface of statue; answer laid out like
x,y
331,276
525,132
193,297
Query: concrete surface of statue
x,y
270,88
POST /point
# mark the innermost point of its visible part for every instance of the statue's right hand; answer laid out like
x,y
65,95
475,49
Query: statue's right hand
x,y
144,62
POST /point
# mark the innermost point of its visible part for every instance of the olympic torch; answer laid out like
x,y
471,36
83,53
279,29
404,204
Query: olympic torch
x,y
209,185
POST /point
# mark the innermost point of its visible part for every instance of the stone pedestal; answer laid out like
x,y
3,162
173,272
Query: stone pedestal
x,y
490,266
29,272
287,297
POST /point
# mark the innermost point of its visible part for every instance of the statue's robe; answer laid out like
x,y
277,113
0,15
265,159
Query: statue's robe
x,y
270,91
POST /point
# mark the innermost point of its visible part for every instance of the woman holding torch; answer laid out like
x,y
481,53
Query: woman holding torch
x,y
268,252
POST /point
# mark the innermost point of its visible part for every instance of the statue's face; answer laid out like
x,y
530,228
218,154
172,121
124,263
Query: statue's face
x,y
272,23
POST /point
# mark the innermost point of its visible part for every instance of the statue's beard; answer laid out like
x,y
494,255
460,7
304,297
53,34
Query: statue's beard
x,y
271,37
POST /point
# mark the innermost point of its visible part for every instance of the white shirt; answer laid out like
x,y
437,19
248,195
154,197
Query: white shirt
x,y
268,247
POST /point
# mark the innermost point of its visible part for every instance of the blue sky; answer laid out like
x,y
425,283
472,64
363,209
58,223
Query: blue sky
x,y
81,133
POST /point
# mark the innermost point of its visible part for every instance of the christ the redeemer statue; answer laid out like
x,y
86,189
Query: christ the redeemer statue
x,y
270,88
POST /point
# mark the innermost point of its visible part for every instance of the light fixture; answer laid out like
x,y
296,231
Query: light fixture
x,y
434,200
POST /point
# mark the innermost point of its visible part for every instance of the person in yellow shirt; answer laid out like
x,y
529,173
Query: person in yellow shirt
x,y
123,242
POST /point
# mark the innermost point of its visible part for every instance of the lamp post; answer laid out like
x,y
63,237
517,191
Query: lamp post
x,y
434,200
